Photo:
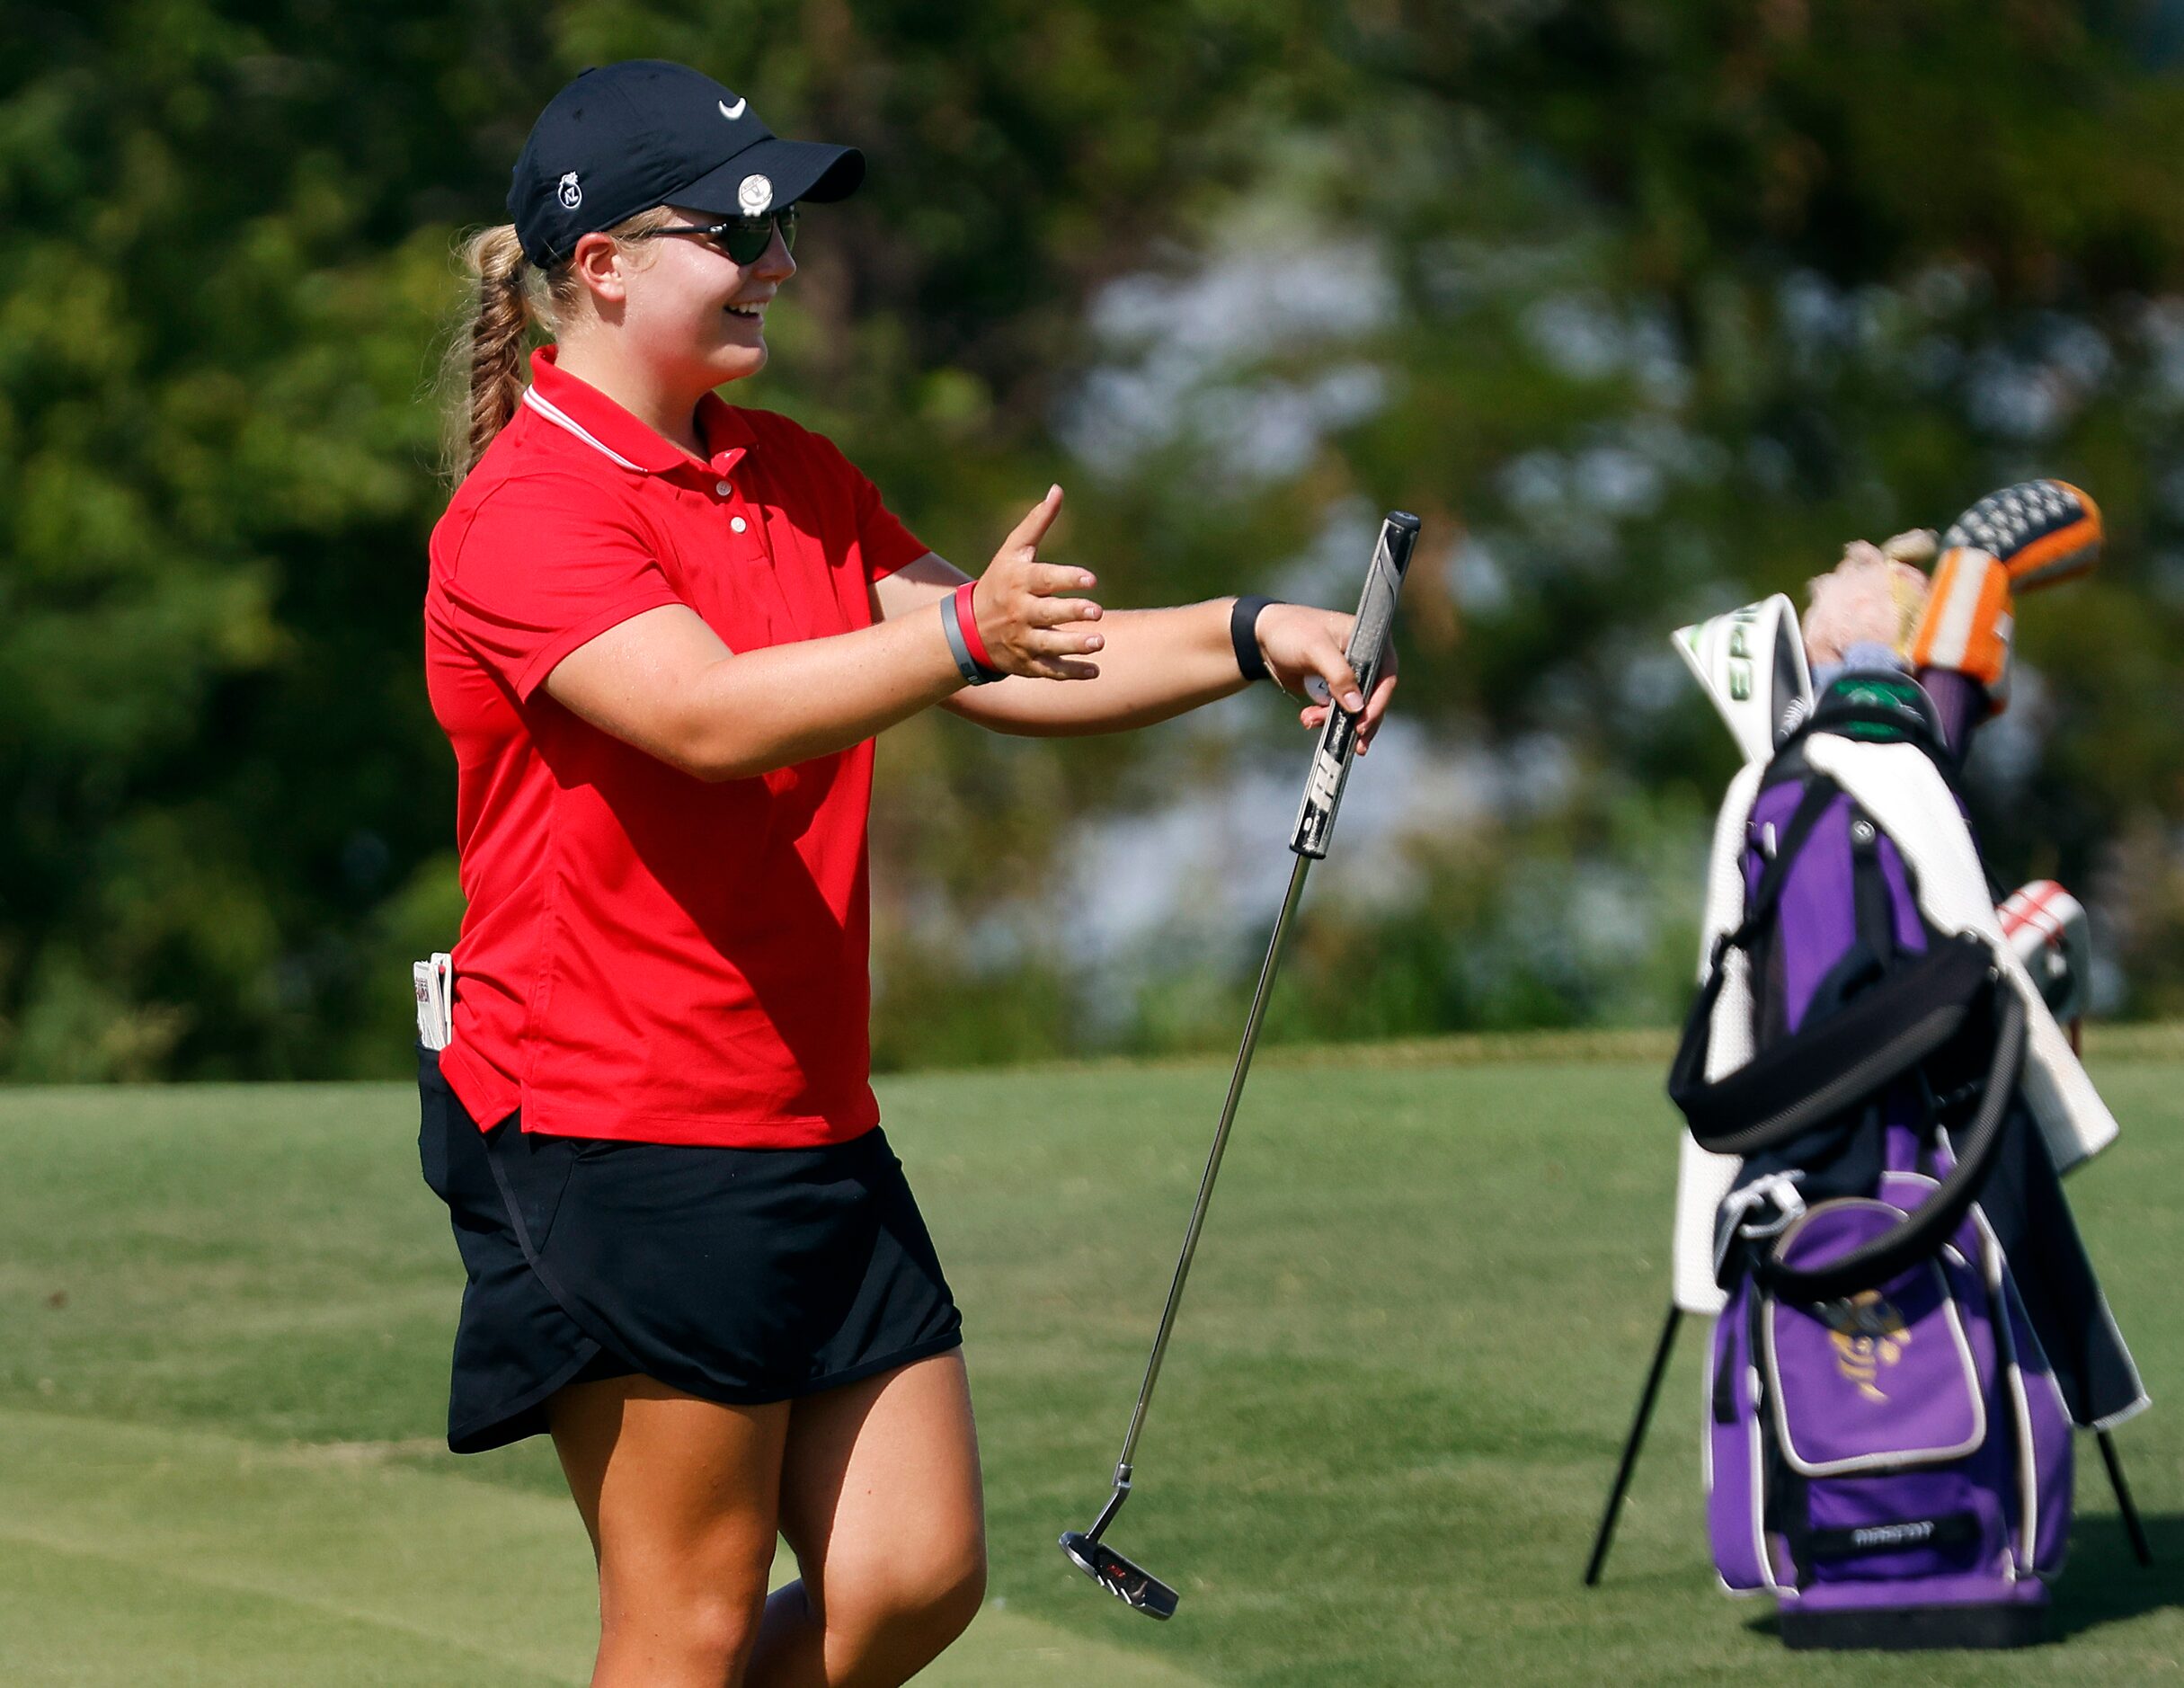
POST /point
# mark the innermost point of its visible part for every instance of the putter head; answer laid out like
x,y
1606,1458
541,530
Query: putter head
x,y
1139,1590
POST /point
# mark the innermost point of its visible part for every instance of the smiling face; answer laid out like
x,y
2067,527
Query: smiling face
x,y
677,307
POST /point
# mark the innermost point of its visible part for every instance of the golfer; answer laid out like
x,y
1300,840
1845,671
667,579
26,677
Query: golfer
x,y
662,632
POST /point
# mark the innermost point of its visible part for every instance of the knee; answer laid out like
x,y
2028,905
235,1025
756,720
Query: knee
x,y
687,1633
937,1595
720,1630
918,1605
954,1600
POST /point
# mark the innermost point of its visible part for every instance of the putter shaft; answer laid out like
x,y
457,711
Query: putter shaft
x,y
1367,650
1205,1189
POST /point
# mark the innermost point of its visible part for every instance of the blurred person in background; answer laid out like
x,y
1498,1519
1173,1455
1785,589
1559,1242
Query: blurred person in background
x,y
662,632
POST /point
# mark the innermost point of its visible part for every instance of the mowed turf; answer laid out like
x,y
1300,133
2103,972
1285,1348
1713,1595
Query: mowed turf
x,y
1415,1332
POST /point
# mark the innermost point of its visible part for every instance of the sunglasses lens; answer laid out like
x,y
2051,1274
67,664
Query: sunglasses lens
x,y
748,238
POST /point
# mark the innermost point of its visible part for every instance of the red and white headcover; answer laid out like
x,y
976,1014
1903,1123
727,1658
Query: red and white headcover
x,y
2047,928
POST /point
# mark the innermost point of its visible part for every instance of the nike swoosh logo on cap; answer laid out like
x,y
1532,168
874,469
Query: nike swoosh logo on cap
x,y
731,112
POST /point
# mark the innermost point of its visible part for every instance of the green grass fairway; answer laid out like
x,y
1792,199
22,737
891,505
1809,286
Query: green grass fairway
x,y
1413,1336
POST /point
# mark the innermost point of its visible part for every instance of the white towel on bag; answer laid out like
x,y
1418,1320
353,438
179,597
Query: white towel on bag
x,y
1899,787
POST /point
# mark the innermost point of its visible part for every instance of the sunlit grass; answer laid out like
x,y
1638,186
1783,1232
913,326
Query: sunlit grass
x,y
1412,1342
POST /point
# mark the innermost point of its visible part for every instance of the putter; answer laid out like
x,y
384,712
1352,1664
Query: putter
x,y
1134,1587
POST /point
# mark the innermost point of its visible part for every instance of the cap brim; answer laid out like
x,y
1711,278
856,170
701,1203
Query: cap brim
x,y
799,170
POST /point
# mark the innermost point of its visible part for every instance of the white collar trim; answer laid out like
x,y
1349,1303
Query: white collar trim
x,y
561,418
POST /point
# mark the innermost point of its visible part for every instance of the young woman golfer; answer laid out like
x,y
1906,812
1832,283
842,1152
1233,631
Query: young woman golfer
x,y
660,633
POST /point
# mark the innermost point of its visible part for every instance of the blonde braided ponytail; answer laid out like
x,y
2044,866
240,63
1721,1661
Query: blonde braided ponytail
x,y
513,301
484,372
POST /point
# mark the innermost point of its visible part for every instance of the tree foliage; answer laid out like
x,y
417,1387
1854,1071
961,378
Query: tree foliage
x,y
1646,305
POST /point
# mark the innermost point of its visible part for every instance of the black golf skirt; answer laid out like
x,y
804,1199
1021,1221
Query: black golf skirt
x,y
742,1275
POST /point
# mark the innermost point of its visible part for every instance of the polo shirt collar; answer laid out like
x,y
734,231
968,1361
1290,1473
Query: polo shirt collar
x,y
725,430
580,409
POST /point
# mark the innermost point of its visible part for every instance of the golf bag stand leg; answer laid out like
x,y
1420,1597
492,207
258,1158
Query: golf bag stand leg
x,y
2134,1526
1631,1445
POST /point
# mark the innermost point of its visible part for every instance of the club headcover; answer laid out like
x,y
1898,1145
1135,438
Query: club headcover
x,y
2042,533
2047,927
1969,620
1750,662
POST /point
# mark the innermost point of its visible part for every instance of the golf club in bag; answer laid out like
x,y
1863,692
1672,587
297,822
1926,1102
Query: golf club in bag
x,y
1322,787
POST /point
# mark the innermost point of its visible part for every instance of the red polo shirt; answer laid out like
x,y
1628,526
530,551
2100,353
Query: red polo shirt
x,y
646,955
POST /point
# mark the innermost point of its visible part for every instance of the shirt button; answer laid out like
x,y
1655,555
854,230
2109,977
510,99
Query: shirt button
x,y
723,488
736,524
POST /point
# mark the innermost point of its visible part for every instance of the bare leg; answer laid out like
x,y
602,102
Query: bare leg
x,y
681,1498
880,1499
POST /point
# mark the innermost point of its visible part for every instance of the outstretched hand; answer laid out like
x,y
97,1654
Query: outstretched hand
x,y
1299,644
1029,626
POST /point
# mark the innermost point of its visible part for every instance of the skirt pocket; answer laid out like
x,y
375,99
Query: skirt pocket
x,y
533,1172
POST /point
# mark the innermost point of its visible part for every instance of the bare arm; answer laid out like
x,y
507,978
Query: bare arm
x,y
664,682
1154,663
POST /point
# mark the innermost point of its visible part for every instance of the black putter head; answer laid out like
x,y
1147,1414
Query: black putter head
x,y
1139,1590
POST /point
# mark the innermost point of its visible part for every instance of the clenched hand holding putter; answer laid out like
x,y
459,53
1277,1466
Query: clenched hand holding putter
x,y
1136,1589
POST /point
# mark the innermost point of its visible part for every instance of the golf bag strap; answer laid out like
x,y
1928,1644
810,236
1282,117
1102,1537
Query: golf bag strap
x,y
1837,1062
1931,1224
1687,1073
1819,792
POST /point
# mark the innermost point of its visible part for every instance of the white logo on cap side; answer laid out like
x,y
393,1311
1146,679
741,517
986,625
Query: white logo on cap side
x,y
755,195
731,112
569,195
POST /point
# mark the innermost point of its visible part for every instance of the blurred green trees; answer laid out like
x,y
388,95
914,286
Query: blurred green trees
x,y
1645,308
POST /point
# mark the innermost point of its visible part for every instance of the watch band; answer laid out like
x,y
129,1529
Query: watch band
x,y
1243,634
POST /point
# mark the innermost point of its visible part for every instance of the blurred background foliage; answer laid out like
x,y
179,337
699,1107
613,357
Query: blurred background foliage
x,y
1646,305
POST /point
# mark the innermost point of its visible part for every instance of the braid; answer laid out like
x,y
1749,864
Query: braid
x,y
485,360
511,298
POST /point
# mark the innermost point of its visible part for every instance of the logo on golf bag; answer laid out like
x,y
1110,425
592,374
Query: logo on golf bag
x,y
1866,1333
1894,1535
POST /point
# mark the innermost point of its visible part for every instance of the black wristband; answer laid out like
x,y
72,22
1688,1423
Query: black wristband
x,y
1244,635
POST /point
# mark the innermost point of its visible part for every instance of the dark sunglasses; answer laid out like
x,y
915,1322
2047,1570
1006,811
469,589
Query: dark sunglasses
x,y
745,239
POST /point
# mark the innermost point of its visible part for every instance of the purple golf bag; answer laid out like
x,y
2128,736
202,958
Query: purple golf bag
x,y
1912,1324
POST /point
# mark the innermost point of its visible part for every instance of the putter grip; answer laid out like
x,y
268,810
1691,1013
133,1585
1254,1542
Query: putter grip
x,y
1368,650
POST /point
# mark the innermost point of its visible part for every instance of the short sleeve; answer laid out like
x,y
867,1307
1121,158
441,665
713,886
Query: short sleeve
x,y
882,542
544,565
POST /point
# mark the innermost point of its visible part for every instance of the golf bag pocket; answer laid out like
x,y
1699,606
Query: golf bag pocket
x,y
1883,1379
1900,1448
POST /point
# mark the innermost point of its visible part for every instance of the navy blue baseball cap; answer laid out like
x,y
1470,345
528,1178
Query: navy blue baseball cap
x,y
622,138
